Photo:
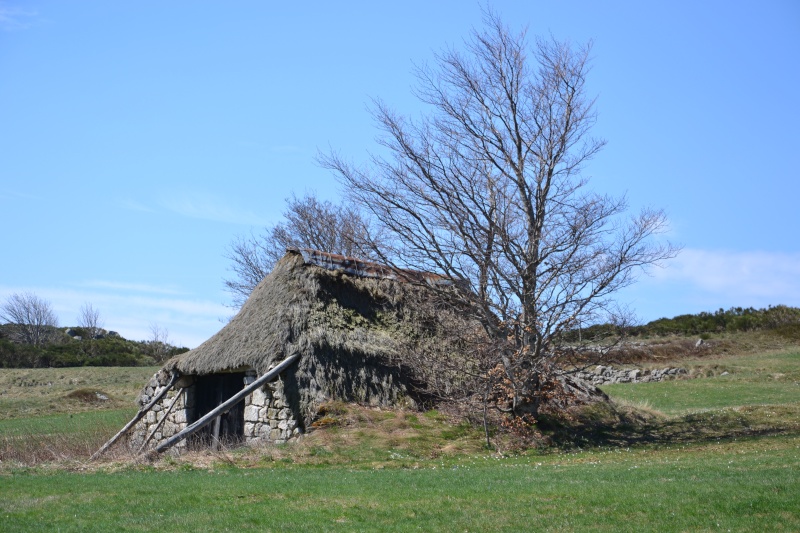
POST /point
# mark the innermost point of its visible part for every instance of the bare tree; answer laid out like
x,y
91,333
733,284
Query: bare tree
x,y
158,344
488,188
89,320
309,223
32,318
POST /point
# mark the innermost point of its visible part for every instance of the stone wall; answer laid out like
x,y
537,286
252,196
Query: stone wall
x,y
268,416
606,375
167,417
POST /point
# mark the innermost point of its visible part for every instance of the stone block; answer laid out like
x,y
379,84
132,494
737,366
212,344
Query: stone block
x,y
251,413
151,417
275,434
259,398
179,417
188,399
249,429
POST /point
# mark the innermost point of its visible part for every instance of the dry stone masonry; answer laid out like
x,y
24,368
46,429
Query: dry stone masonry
x,y
606,375
167,417
267,415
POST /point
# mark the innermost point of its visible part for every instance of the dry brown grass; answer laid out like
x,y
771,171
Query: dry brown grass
x,y
666,350
64,440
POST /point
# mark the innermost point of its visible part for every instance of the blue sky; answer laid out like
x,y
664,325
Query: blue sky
x,y
137,139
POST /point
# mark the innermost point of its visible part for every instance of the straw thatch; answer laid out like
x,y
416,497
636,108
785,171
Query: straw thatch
x,y
350,328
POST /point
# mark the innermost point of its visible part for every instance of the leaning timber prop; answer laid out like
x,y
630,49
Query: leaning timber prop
x,y
143,411
163,419
226,406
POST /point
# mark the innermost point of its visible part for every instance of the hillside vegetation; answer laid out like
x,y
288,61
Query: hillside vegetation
x,y
782,319
78,349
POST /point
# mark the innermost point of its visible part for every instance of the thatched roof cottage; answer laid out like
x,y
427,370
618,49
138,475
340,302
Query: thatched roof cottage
x,y
319,327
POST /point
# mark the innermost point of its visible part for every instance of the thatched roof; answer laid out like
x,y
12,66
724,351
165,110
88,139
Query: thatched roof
x,y
311,300
364,332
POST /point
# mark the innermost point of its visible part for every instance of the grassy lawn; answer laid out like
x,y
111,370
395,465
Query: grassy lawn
x,y
766,379
79,423
740,486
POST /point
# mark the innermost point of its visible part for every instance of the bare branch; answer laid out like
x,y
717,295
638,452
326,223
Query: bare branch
x,y
89,320
309,223
32,318
488,188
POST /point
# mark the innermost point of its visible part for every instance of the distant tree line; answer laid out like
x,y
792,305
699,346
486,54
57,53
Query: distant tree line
x,y
735,319
30,337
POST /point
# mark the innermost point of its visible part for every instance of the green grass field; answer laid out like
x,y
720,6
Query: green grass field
x,y
763,379
738,486
716,452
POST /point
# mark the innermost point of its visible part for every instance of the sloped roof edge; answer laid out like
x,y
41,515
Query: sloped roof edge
x,y
368,269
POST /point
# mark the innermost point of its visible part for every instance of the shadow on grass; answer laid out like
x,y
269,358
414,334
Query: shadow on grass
x,y
609,424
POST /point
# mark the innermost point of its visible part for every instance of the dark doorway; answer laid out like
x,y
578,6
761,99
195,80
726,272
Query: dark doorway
x,y
211,391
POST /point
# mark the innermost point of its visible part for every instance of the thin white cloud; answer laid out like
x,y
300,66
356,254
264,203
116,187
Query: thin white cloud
x,y
14,18
130,309
133,205
14,195
130,287
773,276
206,207
706,280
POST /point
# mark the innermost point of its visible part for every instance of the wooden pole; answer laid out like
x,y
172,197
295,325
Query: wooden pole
x,y
139,415
217,423
163,419
226,406
215,434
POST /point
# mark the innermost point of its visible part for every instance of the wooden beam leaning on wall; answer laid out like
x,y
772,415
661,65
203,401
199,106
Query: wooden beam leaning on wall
x,y
163,419
143,411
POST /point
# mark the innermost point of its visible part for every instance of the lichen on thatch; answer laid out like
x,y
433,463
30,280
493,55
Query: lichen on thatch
x,y
353,334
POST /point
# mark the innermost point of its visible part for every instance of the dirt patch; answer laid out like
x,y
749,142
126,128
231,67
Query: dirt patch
x,y
90,396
